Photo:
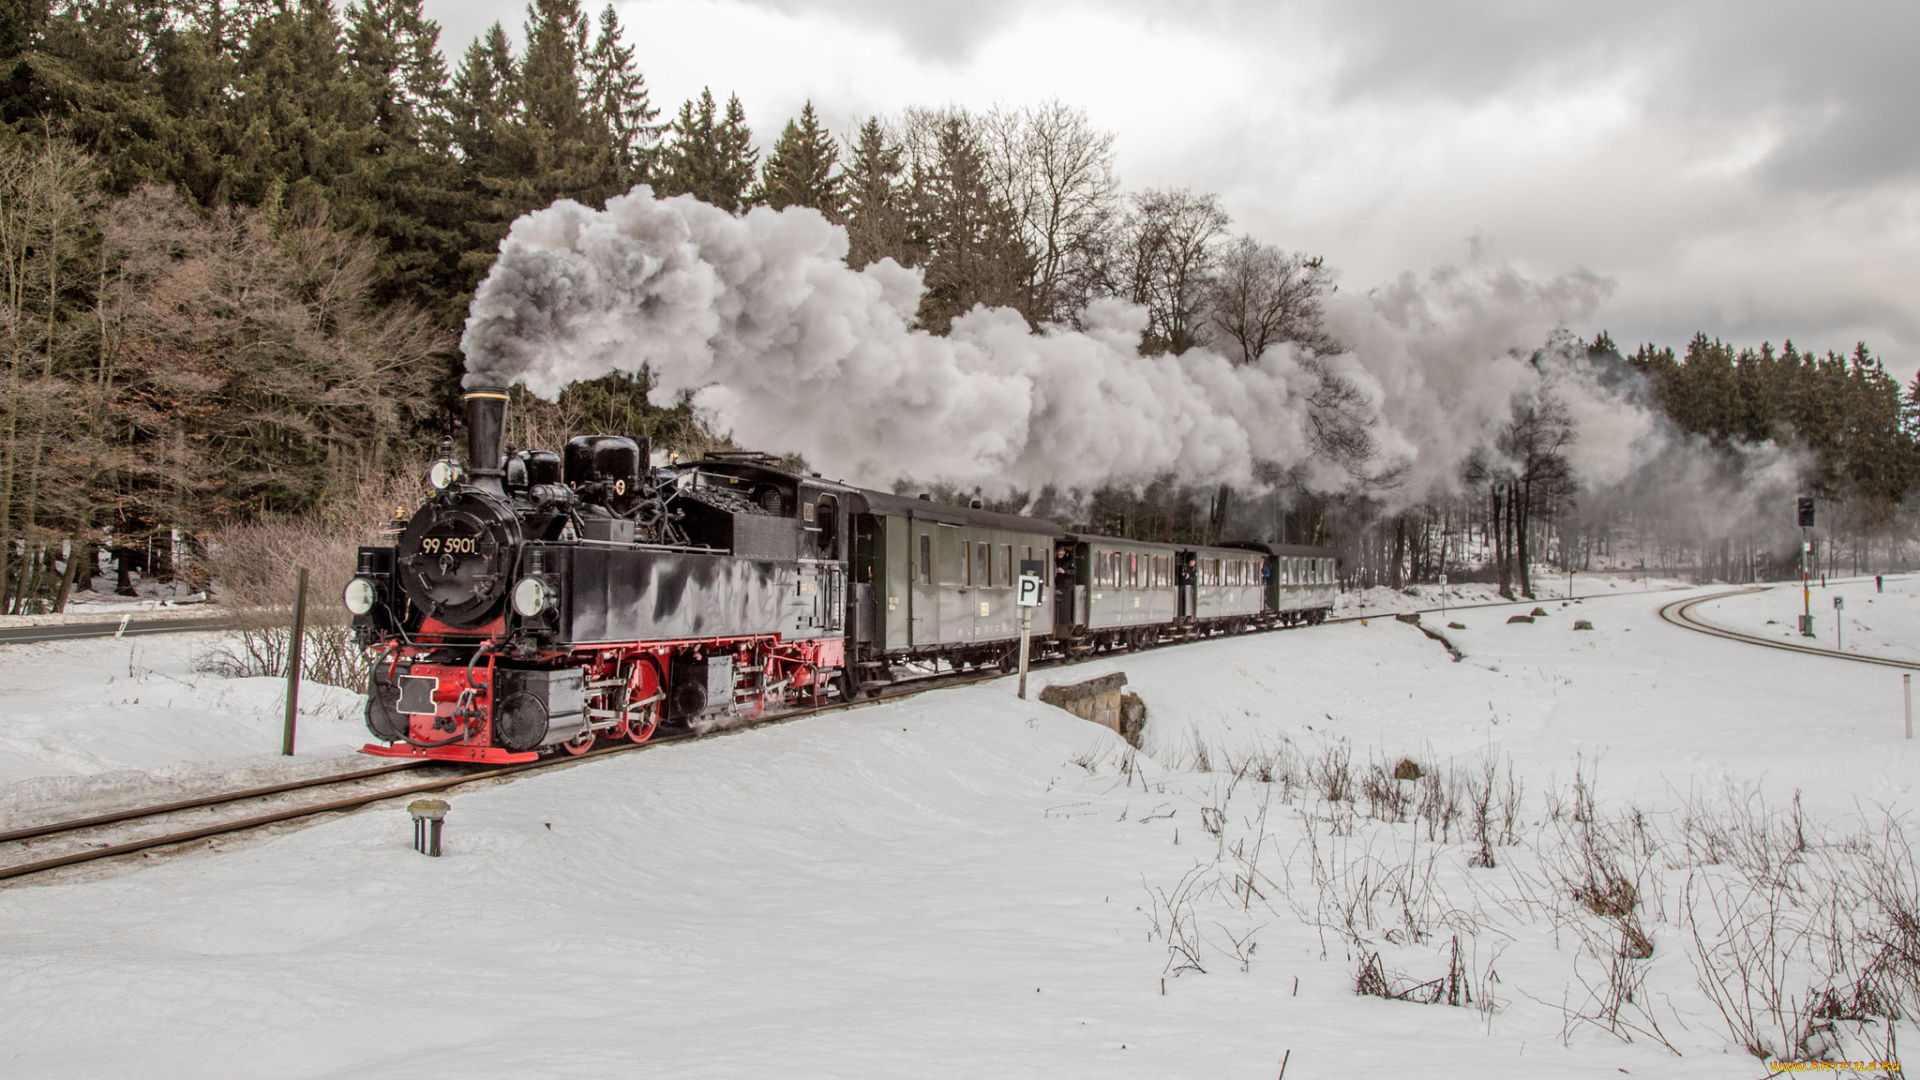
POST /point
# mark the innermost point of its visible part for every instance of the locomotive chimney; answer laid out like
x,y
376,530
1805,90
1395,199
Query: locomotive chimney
x,y
486,429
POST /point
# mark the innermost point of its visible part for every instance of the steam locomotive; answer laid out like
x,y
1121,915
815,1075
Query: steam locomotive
x,y
539,602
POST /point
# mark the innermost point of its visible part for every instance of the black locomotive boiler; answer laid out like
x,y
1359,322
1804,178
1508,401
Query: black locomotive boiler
x,y
538,602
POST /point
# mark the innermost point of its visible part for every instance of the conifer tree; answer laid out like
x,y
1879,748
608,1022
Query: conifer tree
x,y
483,99
561,147
800,170
974,254
298,127
395,49
617,93
710,158
877,199
412,178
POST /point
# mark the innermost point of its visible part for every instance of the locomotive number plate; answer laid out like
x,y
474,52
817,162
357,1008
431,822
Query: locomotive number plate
x,y
450,545
416,694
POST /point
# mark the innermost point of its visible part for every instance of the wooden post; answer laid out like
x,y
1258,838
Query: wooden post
x,y
293,665
1906,686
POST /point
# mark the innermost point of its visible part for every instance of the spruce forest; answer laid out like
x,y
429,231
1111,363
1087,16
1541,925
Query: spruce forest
x,y
240,237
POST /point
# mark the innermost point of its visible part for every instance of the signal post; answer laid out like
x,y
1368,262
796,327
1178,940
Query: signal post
x,y
1029,595
1806,567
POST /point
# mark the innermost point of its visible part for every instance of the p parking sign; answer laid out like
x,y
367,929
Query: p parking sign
x,y
1029,591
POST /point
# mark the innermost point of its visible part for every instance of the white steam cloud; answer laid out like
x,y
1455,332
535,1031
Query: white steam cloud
x,y
791,351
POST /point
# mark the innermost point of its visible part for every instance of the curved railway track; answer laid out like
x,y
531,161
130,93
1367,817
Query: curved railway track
x,y
1676,613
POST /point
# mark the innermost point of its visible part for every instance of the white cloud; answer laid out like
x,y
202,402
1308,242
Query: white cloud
x,y
1745,169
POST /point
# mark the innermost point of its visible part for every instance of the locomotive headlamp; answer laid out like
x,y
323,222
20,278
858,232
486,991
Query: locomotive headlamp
x,y
359,596
443,474
531,597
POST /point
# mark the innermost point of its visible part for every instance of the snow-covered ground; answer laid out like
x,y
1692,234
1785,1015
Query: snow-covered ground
x,y
1547,585
151,599
96,723
1879,620
965,884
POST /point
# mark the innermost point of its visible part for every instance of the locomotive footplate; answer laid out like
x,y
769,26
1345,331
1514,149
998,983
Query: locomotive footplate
x,y
479,755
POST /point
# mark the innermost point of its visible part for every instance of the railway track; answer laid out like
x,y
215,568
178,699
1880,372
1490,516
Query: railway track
x,y
1676,613
38,849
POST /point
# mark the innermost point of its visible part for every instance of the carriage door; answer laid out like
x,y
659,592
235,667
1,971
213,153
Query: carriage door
x,y
1066,588
951,563
833,584
926,592
1183,576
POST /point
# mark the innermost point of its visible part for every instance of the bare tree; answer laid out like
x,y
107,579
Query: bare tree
x,y
1055,171
49,202
1528,476
1167,251
1260,296
255,375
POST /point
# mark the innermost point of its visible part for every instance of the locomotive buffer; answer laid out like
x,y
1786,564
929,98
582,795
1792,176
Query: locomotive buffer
x,y
1028,598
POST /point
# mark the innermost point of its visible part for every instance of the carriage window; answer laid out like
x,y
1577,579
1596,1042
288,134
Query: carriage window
x,y
926,559
829,522
983,564
953,563
1006,564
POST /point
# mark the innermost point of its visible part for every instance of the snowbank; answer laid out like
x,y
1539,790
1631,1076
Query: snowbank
x,y
969,885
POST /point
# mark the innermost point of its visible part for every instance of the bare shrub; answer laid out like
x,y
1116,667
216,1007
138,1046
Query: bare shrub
x,y
1333,773
1480,795
1453,988
1176,919
257,567
1389,795
1201,757
1441,802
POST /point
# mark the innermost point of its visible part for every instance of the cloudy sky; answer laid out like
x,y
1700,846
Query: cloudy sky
x,y
1747,168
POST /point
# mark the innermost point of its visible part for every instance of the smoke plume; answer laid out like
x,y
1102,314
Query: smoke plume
x,y
791,351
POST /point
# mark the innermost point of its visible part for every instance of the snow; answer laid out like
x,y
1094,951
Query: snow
x,y
98,724
1876,623
961,884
